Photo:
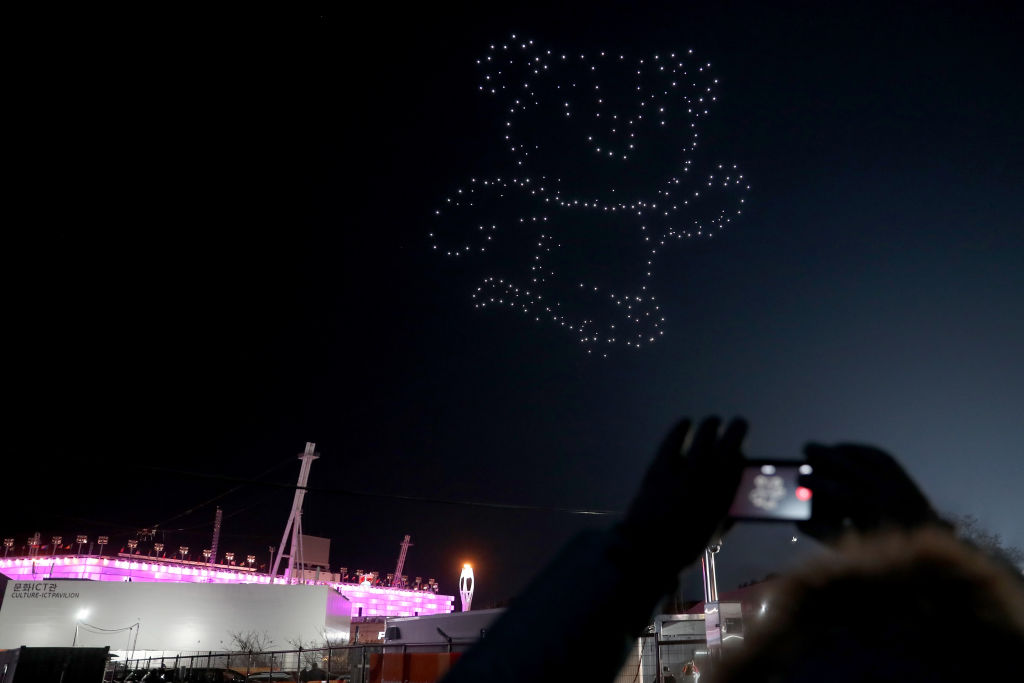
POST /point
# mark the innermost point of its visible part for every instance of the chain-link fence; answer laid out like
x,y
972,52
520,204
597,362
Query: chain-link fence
x,y
648,661
342,664
651,661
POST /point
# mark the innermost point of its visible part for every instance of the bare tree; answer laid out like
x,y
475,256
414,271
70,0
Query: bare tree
x,y
256,643
314,652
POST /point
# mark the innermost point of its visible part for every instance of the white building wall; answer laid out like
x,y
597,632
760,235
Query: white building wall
x,y
171,616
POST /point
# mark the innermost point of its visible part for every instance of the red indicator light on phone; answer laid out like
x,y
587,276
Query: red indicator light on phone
x,y
803,493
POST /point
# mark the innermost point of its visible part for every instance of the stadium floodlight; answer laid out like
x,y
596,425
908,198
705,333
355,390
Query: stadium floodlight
x,y
8,544
183,551
229,557
81,539
132,545
102,541
206,554
158,548
251,559
56,540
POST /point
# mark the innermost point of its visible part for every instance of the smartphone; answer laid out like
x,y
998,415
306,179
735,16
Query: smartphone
x,y
770,490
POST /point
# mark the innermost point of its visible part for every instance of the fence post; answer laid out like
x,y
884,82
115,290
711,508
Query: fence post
x,y
657,657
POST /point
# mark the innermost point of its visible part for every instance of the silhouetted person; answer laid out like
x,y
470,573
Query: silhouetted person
x,y
889,604
533,639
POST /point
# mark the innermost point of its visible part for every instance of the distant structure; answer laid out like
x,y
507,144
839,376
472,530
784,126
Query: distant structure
x,y
293,526
365,594
466,585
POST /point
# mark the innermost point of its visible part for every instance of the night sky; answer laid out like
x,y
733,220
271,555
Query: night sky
x,y
219,251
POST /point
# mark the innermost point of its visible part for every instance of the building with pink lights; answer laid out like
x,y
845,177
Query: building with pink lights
x,y
363,600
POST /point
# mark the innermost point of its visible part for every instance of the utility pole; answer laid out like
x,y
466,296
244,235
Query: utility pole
x,y
712,608
293,526
710,577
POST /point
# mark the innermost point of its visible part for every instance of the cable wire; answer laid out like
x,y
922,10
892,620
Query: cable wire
x,y
388,496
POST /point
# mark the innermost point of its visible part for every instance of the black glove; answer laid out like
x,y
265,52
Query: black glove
x,y
863,489
685,496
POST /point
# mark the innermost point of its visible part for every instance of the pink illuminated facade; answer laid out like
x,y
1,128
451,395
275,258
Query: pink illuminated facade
x,y
365,601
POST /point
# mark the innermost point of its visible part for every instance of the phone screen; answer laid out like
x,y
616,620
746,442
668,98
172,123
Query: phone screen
x,y
770,490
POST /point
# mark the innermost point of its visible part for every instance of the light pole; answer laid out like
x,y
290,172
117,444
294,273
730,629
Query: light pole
x,y
206,554
250,559
82,614
183,551
270,564
132,545
8,544
56,540
158,548
81,539
229,558
102,541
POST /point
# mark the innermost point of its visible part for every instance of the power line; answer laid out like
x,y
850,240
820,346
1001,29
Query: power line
x,y
208,501
388,496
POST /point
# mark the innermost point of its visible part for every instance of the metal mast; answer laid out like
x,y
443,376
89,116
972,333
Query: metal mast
x,y
294,524
217,518
401,561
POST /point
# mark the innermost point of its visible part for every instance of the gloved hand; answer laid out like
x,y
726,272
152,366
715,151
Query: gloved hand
x,y
863,489
684,499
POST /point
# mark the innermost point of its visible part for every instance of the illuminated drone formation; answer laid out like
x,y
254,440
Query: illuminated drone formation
x,y
603,177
